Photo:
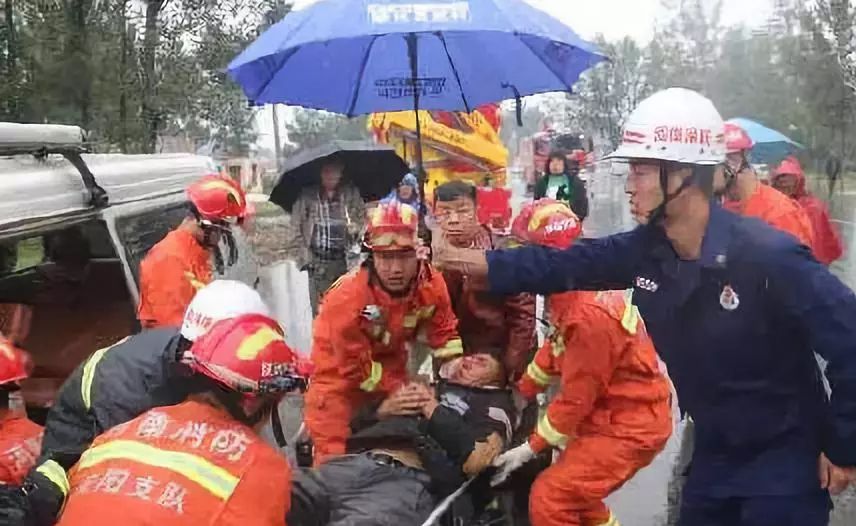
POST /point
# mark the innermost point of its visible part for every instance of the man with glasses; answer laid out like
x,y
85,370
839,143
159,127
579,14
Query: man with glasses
x,y
503,327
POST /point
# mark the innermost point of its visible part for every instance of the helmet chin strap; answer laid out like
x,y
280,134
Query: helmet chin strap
x,y
209,234
658,215
731,174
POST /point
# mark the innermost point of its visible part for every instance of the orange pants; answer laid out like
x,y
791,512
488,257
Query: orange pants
x,y
571,491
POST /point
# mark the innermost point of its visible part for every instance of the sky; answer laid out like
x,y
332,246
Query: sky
x,y
615,19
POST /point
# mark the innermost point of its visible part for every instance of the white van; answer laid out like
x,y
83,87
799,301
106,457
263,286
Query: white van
x,y
73,229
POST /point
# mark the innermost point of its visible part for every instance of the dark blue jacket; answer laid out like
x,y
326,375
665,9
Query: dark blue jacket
x,y
747,375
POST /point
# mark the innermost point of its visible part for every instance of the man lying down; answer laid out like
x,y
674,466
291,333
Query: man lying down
x,y
411,450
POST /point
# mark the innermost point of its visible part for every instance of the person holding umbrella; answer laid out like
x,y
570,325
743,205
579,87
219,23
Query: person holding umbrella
x,y
326,221
736,310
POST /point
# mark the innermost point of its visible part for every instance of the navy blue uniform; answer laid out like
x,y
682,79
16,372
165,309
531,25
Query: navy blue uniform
x,y
736,328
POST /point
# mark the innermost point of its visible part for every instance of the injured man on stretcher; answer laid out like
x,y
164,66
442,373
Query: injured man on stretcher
x,y
409,451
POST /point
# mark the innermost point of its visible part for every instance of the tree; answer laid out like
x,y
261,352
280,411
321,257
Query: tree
x,y
609,92
837,20
311,128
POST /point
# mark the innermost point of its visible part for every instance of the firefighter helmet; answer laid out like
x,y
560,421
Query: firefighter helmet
x,y
547,222
220,300
247,354
218,199
736,139
677,125
15,364
392,227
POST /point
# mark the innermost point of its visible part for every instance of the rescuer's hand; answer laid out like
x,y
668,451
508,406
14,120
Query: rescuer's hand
x,y
833,478
471,262
511,461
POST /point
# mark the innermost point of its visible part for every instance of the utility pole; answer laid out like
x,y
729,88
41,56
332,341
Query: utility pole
x,y
276,144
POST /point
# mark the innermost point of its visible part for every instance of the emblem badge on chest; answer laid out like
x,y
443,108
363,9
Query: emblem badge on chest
x,y
729,299
646,284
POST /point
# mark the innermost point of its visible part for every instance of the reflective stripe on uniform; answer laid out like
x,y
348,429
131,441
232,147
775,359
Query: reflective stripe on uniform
x,y
370,383
216,480
630,318
549,433
453,347
538,375
426,312
89,373
613,521
54,472
194,281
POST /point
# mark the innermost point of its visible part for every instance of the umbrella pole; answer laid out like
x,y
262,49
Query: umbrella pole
x,y
414,78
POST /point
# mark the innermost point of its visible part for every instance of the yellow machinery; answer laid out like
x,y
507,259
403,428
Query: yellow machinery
x,y
455,145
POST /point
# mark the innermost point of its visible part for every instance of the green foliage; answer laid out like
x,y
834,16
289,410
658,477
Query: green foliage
x,y
791,75
132,71
311,128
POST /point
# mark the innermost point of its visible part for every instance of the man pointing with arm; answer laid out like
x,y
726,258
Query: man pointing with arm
x,y
735,309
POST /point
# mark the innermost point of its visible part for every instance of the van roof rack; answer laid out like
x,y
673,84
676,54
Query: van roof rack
x,y
41,140
16,139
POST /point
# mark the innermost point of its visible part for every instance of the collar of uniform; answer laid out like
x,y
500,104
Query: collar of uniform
x,y
714,247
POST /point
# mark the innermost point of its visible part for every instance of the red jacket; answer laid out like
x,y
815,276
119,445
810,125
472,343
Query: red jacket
x,y
498,325
171,273
777,210
184,464
827,241
20,443
361,342
606,365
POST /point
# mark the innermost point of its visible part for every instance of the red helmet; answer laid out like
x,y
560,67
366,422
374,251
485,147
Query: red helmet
x,y
789,166
547,222
247,354
736,139
218,198
15,364
392,227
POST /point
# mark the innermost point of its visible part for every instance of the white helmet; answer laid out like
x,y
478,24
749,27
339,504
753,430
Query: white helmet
x,y
220,300
675,124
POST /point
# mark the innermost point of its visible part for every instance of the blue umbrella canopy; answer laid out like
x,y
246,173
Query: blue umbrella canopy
x,y
771,146
363,56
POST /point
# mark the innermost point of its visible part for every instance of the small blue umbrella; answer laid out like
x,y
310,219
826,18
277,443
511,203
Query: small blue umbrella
x,y
770,146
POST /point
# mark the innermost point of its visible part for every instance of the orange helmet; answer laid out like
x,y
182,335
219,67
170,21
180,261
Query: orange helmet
x,y
15,364
547,222
392,227
736,139
218,198
247,354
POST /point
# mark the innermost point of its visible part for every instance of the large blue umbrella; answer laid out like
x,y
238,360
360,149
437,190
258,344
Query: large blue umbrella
x,y
364,56
770,146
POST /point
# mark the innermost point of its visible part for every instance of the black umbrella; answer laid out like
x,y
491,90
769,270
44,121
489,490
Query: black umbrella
x,y
375,169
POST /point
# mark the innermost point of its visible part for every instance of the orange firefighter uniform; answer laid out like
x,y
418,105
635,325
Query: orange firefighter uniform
x,y
612,412
360,345
171,273
363,337
20,443
185,464
179,265
20,439
777,210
